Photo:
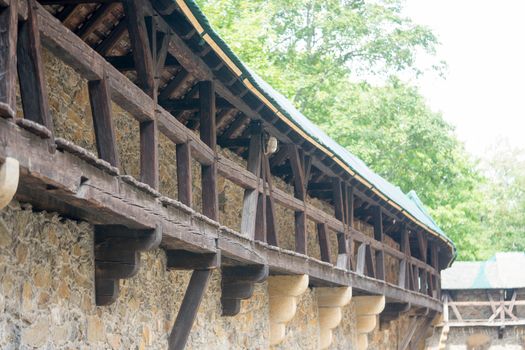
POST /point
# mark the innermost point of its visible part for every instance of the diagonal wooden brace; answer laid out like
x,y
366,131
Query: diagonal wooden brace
x,y
117,256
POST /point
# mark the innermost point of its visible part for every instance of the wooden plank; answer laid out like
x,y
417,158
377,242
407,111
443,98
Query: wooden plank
x,y
138,37
184,174
8,44
250,200
379,236
100,100
188,309
324,243
208,134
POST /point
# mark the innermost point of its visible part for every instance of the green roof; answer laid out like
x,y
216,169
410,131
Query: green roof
x,y
410,205
502,271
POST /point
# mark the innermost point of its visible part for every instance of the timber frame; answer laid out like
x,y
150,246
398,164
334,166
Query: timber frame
x,y
180,84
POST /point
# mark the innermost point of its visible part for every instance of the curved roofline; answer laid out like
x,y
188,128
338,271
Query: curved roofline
x,y
284,109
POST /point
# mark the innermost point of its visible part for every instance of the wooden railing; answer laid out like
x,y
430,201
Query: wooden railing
x,y
357,252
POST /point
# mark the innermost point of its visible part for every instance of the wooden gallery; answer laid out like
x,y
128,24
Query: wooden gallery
x,y
157,194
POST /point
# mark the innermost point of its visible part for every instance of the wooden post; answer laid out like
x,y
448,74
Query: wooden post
x,y
378,236
342,247
403,264
100,99
184,178
8,39
349,210
271,226
141,50
300,193
208,134
251,196
31,72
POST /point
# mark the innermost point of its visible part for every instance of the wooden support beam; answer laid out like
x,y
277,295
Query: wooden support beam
x,y
299,193
190,104
126,63
342,246
96,19
186,260
271,225
208,134
250,201
324,243
188,309
113,38
100,99
379,236
8,44
141,49
237,284
117,256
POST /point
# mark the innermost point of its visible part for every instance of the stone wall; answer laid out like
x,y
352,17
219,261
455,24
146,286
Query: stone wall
x,y
47,299
480,338
47,270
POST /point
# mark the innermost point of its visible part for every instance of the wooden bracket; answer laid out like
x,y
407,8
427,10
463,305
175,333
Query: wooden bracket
x,y
330,302
237,284
284,292
9,176
117,256
186,260
367,309
392,312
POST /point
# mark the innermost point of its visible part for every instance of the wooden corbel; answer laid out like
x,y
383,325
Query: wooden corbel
x,y
367,309
238,284
330,302
117,256
9,176
284,291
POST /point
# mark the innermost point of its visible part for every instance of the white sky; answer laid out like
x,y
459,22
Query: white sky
x,y
483,43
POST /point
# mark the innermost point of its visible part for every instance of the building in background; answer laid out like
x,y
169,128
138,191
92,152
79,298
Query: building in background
x,y
484,305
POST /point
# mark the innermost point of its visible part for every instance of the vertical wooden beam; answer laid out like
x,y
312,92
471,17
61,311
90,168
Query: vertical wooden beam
x,y
324,243
434,251
100,100
188,309
31,71
141,50
251,196
271,226
208,134
184,177
379,236
349,201
342,247
145,67
403,264
361,261
8,43
300,193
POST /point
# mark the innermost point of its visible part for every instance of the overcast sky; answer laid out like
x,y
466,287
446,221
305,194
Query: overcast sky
x,y
483,43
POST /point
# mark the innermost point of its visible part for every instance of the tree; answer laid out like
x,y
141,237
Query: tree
x,y
340,61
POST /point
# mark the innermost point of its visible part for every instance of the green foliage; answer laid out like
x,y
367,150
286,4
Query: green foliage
x,y
339,61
